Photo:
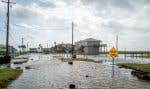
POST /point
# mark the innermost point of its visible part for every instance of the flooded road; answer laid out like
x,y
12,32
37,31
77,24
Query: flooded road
x,y
49,73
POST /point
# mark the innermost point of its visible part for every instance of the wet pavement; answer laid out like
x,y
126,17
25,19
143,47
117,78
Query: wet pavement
x,y
49,73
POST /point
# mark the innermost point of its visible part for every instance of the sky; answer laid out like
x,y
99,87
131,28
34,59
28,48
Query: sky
x,y
48,21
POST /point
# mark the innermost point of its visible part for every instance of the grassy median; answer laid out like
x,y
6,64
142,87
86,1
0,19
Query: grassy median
x,y
139,67
87,60
82,59
7,75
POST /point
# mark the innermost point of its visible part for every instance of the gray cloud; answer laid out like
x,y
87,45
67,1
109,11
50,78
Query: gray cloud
x,y
104,4
102,19
46,4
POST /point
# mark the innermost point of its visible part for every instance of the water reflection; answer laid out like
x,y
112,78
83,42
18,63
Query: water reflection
x,y
49,73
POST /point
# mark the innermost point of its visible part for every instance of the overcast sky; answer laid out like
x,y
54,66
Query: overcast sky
x,y
47,21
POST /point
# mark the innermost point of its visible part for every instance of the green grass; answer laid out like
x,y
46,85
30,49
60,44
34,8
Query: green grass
x,y
83,53
57,56
145,56
82,59
7,75
140,67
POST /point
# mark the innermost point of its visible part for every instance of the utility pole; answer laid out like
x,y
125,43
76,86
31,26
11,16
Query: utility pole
x,y
47,45
7,33
55,47
72,39
7,56
73,56
27,46
117,45
22,43
117,42
28,49
125,55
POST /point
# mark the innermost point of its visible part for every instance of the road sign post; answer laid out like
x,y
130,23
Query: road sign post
x,y
113,53
113,70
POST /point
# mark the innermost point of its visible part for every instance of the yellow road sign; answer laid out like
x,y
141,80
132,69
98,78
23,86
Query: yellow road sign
x,y
113,52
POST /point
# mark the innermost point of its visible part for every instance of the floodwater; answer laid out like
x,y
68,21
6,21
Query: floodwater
x,y
49,73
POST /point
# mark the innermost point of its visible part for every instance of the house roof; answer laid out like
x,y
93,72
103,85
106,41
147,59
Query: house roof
x,y
89,39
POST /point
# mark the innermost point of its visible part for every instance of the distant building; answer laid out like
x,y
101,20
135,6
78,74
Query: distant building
x,y
22,48
68,47
61,48
46,50
33,50
39,49
103,48
88,46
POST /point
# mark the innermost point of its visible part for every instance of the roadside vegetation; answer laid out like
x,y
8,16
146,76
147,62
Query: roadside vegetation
x,y
145,56
16,54
138,67
7,75
81,59
142,71
87,60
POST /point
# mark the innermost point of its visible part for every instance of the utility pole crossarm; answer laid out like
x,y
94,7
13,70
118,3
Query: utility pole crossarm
x,y
8,2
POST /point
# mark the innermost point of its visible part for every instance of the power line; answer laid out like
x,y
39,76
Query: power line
x,y
38,28
13,39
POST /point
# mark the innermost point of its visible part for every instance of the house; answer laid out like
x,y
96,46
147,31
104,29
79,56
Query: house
x,y
68,47
88,46
39,50
61,48
46,50
33,50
